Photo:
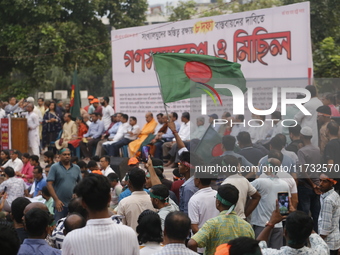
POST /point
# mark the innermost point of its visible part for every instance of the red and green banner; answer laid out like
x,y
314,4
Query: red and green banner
x,y
75,97
183,76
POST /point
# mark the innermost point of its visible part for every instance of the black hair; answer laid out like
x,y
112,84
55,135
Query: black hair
x,y
186,115
74,206
160,190
160,114
240,117
107,158
228,142
26,155
95,158
91,163
69,226
107,99
35,158
149,227
113,177
48,166
276,115
40,170
244,138
226,115
96,113
95,191
205,181
192,158
137,178
283,139
9,171
276,154
228,192
18,207
244,246
333,128
175,115
45,191
312,90
49,154
276,143
9,240
295,130
230,161
41,98
74,159
81,164
331,97
177,225
7,153
133,118
299,226
36,222
125,116
159,163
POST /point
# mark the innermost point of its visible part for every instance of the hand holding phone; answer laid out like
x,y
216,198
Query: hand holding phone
x,y
283,198
145,153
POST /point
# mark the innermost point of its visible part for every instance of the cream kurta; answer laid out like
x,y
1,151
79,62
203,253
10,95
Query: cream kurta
x,y
70,131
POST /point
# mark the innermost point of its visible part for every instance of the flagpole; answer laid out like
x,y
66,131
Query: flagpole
x,y
159,85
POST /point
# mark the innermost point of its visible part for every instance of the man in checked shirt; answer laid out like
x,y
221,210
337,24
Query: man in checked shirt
x,y
329,214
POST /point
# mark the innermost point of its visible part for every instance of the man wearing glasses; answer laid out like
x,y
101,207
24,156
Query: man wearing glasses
x,y
61,180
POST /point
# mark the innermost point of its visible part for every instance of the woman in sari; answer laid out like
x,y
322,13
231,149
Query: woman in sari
x,y
51,125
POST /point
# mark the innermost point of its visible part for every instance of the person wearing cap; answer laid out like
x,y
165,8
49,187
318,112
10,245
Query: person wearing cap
x,y
97,107
224,227
107,112
89,108
308,180
33,130
324,117
329,213
310,120
15,162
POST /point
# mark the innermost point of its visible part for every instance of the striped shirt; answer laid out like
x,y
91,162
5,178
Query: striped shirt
x,y
101,236
329,218
175,249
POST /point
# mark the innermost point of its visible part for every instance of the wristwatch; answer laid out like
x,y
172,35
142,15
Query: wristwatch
x,y
269,224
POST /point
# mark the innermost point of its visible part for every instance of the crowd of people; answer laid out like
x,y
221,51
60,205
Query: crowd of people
x,y
65,196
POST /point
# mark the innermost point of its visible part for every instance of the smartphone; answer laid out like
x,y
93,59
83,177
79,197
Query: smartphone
x,y
5,189
283,198
145,153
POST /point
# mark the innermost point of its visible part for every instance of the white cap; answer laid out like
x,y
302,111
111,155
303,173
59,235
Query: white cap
x,y
30,99
306,131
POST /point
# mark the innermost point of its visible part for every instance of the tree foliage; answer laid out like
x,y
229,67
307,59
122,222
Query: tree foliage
x,y
183,11
53,30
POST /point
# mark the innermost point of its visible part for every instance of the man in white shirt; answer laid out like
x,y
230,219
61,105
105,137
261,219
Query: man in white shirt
x,y
200,130
114,238
238,125
14,162
104,163
310,120
160,123
246,190
132,206
2,111
33,130
107,112
268,188
201,206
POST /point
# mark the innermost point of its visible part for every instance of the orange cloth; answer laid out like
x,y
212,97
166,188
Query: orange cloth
x,y
148,128
223,249
82,130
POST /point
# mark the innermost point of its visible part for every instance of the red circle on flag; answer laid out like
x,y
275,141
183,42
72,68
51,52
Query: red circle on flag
x,y
217,150
198,71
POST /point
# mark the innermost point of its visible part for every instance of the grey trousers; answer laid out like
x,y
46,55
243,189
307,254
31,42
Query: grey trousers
x,y
275,239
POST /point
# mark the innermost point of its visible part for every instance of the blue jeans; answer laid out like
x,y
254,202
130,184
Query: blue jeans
x,y
309,202
59,215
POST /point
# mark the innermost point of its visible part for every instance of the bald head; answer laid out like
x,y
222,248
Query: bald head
x,y
35,205
148,116
72,222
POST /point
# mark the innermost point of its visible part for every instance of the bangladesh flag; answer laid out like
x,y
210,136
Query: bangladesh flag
x,y
183,76
75,97
210,145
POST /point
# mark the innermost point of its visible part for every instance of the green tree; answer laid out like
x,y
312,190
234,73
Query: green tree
x,y
183,11
59,33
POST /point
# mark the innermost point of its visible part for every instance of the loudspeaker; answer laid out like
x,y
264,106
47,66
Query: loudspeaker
x,y
119,165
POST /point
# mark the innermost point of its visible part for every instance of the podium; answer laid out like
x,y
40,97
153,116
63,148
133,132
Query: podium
x,y
19,133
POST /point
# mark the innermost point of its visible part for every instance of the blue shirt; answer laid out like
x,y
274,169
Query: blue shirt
x,y
39,185
113,130
127,193
186,191
64,180
245,162
37,247
287,163
96,129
